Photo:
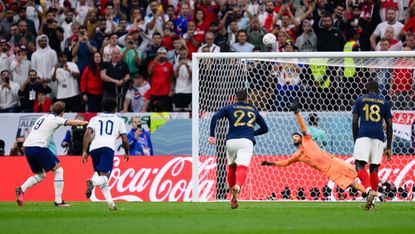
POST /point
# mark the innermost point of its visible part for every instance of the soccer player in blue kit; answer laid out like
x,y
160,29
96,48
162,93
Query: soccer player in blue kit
x,y
40,158
368,114
104,129
240,140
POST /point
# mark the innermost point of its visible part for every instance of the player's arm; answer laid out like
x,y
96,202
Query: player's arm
x,y
294,108
218,115
76,122
263,128
281,163
389,135
355,126
125,145
86,142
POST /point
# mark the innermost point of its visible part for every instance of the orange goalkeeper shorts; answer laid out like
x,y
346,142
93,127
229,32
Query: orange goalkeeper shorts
x,y
341,173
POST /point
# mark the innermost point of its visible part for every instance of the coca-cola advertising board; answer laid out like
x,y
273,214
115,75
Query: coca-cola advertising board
x,y
169,178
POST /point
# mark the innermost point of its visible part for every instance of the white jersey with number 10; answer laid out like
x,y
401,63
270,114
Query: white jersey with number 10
x,y
106,127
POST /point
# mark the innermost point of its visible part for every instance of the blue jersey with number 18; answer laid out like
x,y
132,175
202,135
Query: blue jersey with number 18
x,y
242,118
107,127
372,109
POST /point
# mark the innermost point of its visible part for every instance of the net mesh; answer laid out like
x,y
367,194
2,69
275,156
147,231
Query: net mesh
x,y
326,89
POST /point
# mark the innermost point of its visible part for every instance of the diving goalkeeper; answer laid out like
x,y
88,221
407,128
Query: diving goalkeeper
x,y
340,172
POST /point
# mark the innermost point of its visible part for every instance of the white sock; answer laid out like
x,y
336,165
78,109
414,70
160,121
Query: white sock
x,y
32,181
58,183
99,180
107,194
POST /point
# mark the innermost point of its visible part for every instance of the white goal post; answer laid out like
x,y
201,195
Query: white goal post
x,y
326,84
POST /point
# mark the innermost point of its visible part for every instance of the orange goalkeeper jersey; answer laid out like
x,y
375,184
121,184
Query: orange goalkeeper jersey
x,y
311,154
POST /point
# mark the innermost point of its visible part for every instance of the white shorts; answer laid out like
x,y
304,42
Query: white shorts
x,y
239,151
368,150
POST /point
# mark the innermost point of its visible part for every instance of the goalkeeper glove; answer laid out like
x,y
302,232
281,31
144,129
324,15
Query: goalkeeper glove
x,y
267,163
294,107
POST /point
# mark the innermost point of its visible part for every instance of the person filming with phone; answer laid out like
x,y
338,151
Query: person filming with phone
x,y
8,93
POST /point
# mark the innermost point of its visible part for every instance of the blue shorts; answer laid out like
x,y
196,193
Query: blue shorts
x,y
102,159
40,159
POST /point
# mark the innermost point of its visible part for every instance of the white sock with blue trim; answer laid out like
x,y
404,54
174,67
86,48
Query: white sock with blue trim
x,y
31,181
58,184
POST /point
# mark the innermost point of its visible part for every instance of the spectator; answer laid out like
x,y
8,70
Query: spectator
x,y
173,55
151,51
28,90
161,72
66,25
410,41
42,102
193,38
156,18
122,28
242,45
5,56
209,43
339,21
381,28
201,23
402,84
139,139
109,18
328,38
51,31
22,17
66,74
210,9
1,148
319,135
131,55
91,84
20,66
394,45
382,75
99,34
183,82
17,148
255,33
115,75
180,22
108,46
9,98
73,140
134,98
84,49
82,10
7,22
45,67
24,36
268,17
357,21
307,41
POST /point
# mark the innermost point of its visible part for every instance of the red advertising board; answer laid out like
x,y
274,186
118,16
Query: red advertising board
x,y
168,178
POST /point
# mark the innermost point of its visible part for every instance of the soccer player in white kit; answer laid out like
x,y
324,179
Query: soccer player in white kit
x,y
240,140
104,129
39,156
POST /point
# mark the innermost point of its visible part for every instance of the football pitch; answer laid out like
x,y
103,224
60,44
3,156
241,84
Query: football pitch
x,y
212,217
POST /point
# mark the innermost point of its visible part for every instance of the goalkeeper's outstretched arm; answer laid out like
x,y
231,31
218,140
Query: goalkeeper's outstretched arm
x,y
294,108
280,163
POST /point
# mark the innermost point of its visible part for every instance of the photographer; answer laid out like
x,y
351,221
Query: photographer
x,y
29,89
84,49
17,149
131,55
139,139
8,93
73,140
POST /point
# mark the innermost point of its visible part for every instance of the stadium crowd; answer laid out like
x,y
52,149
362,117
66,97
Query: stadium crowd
x,y
140,52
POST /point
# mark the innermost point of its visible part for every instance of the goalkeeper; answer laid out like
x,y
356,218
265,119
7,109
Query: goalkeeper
x,y
340,172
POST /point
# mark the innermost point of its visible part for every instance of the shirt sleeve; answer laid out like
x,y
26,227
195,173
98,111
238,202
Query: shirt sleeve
x,y
61,121
122,127
91,124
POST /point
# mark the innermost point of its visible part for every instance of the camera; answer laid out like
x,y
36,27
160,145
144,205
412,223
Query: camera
x,y
7,79
285,1
82,33
131,42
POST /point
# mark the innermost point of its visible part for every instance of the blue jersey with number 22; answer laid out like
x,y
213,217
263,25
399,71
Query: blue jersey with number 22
x,y
242,119
372,109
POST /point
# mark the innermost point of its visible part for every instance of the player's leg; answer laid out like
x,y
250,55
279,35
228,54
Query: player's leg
x,y
39,175
104,171
231,150
50,162
375,159
361,155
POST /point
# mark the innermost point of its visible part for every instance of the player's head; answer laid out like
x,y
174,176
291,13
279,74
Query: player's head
x,y
109,105
297,138
58,108
241,95
372,87
313,119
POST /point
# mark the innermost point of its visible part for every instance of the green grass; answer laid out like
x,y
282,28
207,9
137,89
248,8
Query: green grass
x,y
250,217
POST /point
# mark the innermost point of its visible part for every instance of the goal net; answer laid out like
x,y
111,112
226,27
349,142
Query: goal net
x,y
326,85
